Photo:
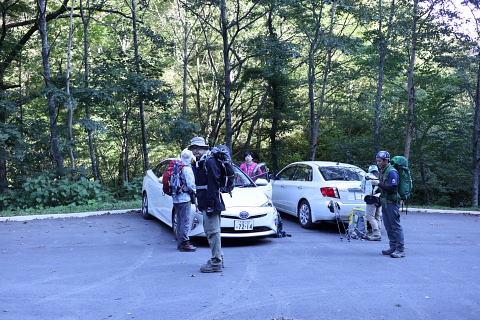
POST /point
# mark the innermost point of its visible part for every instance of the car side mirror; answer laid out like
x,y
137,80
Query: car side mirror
x,y
272,177
261,182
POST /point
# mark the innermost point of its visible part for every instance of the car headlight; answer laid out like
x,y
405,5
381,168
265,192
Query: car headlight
x,y
267,204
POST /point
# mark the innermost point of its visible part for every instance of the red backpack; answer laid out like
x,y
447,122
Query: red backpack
x,y
172,180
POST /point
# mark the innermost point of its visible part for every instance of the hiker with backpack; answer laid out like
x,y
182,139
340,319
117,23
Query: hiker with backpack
x,y
390,201
210,201
182,199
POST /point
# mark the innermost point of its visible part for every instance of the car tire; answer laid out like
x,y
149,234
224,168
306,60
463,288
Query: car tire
x,y
305,215
145,213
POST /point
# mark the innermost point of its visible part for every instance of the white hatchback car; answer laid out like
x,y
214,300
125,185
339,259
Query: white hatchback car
x,y
305,189
249,212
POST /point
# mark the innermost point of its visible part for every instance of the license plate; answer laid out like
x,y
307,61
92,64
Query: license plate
x,y
358,196
243,225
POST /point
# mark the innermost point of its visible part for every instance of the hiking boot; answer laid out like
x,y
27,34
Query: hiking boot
x,y
398,254
388,252
210,262
375,237
186,247
210,268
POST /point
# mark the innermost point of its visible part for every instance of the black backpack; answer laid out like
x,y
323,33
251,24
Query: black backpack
x,y
227,170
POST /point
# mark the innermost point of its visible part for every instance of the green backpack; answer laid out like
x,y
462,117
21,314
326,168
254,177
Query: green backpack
x,y
405,184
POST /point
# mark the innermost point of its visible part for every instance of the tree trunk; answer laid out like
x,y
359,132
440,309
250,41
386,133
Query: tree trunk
x,y
186,34
411,82
311,101
146,161
323,93
185,67
227,77
382,51
312,74
11,54
274,150
476,136
56,152
86,63
70,104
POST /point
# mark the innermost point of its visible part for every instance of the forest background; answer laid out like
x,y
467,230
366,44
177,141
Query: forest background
x,y
95,92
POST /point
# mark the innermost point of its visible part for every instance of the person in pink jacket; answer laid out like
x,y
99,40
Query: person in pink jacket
x,y
249,166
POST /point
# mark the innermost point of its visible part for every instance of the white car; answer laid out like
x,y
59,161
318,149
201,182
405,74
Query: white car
x,y
249,212
305,189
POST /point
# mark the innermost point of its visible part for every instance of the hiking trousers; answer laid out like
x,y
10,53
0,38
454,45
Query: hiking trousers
x,y
211,226
391,220
374,217
182,211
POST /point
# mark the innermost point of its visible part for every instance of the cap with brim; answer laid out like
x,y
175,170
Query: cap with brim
x,y
199,142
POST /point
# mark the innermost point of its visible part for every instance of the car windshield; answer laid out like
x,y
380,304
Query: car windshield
x,y
340,173
242,180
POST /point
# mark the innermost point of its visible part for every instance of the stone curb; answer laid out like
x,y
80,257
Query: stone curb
x,y
109,212
67,215
465,212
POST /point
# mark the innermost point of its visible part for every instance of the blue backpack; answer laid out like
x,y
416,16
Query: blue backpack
x,y
357,227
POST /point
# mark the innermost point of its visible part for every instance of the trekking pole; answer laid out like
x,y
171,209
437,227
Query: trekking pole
x,y
406,206
335,208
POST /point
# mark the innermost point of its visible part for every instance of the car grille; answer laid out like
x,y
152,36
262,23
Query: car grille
x,y
251,217
255,229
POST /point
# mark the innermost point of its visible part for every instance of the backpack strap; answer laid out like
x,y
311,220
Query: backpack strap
x,y
385,195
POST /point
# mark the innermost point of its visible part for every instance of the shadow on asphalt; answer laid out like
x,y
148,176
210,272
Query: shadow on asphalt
x,y
290,225
327,227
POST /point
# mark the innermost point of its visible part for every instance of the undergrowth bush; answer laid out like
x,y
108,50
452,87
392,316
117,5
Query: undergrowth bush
x,y
45,191
129,191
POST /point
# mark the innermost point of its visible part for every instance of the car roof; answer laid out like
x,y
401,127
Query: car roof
x,y
324,163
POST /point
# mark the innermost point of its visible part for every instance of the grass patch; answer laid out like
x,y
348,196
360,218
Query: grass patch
x,y
445,208
117,205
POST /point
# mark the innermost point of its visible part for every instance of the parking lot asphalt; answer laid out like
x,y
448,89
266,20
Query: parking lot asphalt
x,y
120,266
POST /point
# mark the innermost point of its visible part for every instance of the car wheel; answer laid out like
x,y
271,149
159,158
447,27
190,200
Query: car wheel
x,y
305,215
174,223
145,213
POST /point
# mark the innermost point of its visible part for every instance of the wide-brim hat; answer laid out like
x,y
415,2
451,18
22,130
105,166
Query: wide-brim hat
x,y
198,141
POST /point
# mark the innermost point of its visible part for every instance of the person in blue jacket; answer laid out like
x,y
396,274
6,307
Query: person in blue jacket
x,y
182,202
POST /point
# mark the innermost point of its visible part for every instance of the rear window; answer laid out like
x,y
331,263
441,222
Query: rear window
x,y
339,173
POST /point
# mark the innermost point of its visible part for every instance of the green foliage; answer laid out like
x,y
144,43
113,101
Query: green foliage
x,y
49,191
177,130
129,191
270,93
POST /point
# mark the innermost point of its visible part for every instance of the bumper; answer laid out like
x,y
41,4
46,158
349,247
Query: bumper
x,y
321,212
264,223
